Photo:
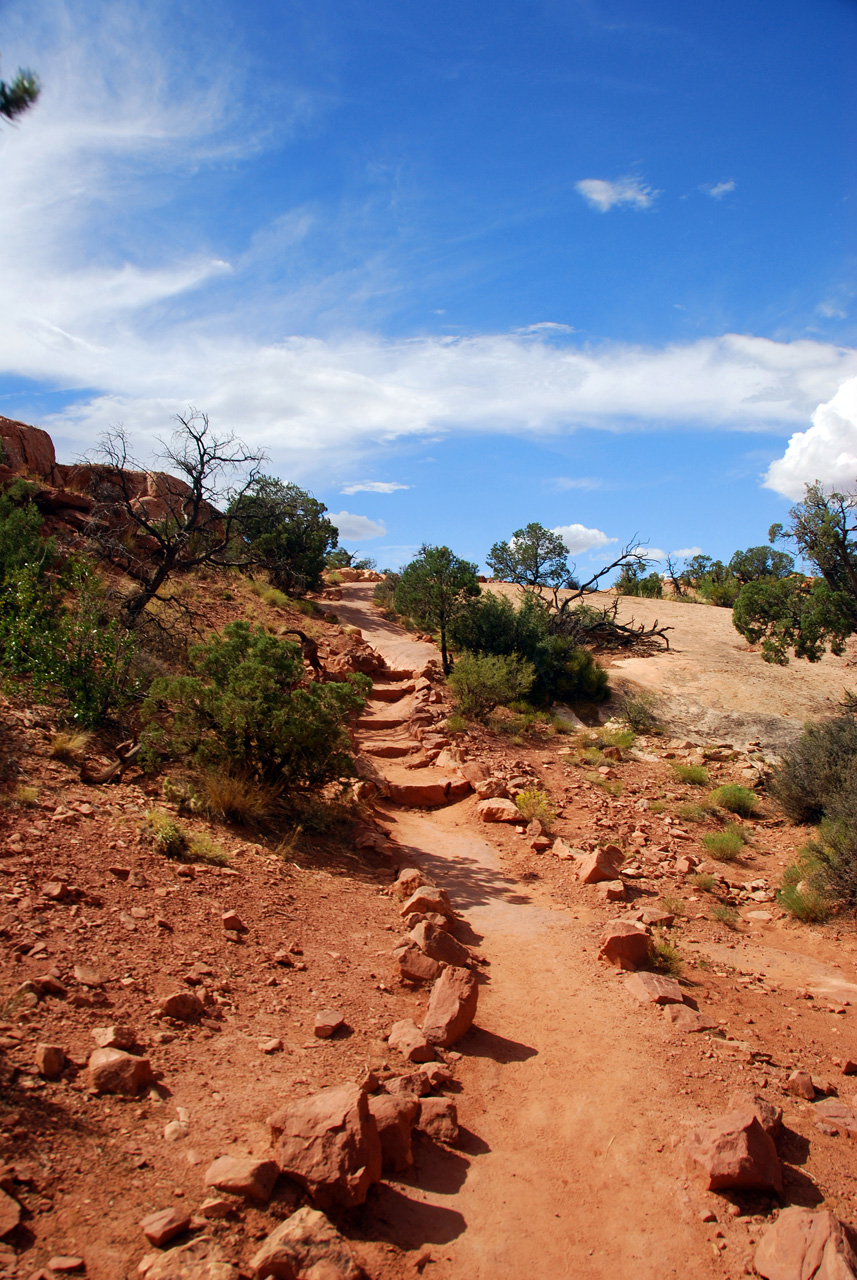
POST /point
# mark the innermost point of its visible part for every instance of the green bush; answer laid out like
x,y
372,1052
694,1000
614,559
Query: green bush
x,y
735,799
247,707
820,765
480,682
692,773
804,892
725,845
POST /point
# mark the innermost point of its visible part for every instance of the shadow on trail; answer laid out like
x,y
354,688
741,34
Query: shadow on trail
x,y
468,881
411,1223
485,1044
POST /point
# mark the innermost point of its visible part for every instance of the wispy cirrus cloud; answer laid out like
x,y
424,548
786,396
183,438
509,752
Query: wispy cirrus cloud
x,y
374,486
603,195
563,483
717,190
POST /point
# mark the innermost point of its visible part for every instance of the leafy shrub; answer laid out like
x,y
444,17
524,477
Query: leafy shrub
x,y
725,845
481,683
536,804
722,913
167,836
247,708
820,765
735,799
456,723
804,889
692,773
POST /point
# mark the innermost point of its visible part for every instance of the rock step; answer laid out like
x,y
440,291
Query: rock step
x,y
432,794
390,750
381,722
390,693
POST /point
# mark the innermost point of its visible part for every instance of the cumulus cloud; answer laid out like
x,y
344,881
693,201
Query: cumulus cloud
x,y
374,486
720,189
604,195
685,553
357,528
578,538
827,451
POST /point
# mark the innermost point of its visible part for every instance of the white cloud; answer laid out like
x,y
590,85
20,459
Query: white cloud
x,y
374,486
563,483
720,189
827,451
578,538
603,195
685,553
357,528
653,553
832,310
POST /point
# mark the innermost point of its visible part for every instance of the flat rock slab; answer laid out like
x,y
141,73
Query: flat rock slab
x,y
652,988
838,1115
687,1019
440,945
498,810
252,1179
161,1227
802,1244
327,1022
200,1259
427,899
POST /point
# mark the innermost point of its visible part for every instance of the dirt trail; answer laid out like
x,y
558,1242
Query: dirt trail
x,y
568,1169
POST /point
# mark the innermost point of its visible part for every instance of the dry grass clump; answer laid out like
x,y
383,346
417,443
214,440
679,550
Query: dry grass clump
x,y
536,804
27,797
692,773
69,744
236,797
726,845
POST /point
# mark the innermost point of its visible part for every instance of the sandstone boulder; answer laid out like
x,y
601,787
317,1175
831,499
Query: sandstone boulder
x,y
439,1119
803,1245
800,1085
252,1179
10,1213
184,1006
161,1227
770,1117
491,789
428,899
395,1115
327,1022
735,1153
452,1007
406,1038
440,944
601,864
407,882
306,1246
114,1037
625,945
200,1259
414,965
652,988
419,795
114,1071
498,810
50,1061
329,1144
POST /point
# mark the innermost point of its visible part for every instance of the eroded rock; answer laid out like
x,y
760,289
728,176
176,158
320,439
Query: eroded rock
x,y
329,1144
452,1007
306,1246
735,1152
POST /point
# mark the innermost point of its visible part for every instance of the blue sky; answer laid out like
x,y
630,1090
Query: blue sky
x,y
455,266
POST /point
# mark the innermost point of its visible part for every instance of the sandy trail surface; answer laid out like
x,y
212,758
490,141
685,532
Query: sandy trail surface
x,y
567,1168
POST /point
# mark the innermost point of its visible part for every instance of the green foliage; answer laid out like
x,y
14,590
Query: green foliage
x,y
794,615
816,769
665,955
692,773
19,94
674,905
805,889
695,812
481,682
633,581
286,529
534,557
760,562
342,559
534,803
169,838
21,541
456,723
725,845
247,707
735,799
433,588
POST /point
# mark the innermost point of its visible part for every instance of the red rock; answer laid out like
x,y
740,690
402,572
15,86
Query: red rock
x,y
802,1245
687,1019
50,1061
87,976
601,864
395,1115
161,1227
491,789
407,882
199,1259
113,1071
735,1152
799,1085
560,849
416,1083
612,891
427,899
839,1115
473,771
233,922
419,795
329,1144
439,944
685,865
498,810
406,1038
414,965
651,988
626,946
66,1264
327,1022
216,1207
452,1007
184,1006
656,918
10,1213
770,1117
28,451
252,1179
115,1037
305,1247
439,1119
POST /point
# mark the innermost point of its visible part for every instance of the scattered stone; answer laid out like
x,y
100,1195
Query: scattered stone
x,y
497,809
252,1179
199,1259
56,890
66,1264
414,965
161,1227
656,919
627,946
416,1084
651,988
601,864
612,891
407,882
87,976
560,849
327,1022
685,865
735,1152
113,1071
271,1046
176,1130
439,1119
395,1116
184,1006
839,1115
406,1038
329,1144
802,1244
305,1245
770,1117
452,1007
439,944
232,922
115,1037
799,1085
50,1061
216,1207
428,899
10,1213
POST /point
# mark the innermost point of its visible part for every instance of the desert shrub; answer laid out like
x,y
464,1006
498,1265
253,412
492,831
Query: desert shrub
x,y
804,891
623,738
820,765
722,913
68,745
695,812
657,806
21,541
735,799
665,955
246,707
237,797
202,848
167,836
725,845
536,804
674,905
703,881
27,797
334,578
639,711
692,773
482,682
456,723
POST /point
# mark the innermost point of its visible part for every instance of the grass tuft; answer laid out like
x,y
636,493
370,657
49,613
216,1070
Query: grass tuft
x,y
27,797
666,955
735,799
695,812
236,797
802,893
722,913
69,745
692,773
536,804
703,881
725,845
